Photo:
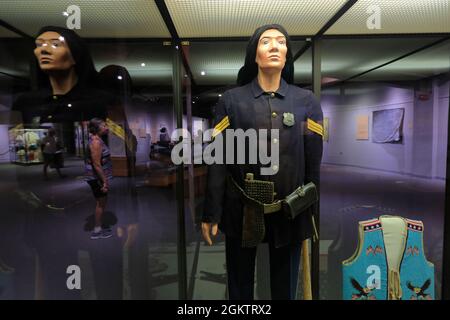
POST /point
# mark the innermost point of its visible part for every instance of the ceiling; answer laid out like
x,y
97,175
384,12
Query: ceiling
x,y
99,18
234,18
396,17
140,20
227,18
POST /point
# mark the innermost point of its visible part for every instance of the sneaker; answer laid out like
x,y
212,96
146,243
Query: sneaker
x,y
96,235
106,233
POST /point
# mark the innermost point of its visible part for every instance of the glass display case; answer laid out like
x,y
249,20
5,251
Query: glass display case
x,y
25,145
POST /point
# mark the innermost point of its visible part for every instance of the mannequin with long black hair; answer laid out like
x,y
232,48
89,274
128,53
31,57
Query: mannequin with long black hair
x,y
265,99
65,90
66,83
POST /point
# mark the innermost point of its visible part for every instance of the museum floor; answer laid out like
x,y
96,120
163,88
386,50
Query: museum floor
x,y
44,227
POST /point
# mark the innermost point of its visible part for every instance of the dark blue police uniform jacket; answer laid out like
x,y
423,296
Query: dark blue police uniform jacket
x,y
300,153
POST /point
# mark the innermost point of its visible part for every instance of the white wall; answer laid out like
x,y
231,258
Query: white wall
x,y
442,104
4,145
423,149
151,116
342,108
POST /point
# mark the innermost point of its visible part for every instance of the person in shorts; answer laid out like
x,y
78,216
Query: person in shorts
x,y
98,173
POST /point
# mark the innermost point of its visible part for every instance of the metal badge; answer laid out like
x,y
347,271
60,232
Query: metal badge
x,y
288,119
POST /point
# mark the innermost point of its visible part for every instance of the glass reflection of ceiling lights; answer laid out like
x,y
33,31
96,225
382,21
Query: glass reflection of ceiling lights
x,y
345,58
427,63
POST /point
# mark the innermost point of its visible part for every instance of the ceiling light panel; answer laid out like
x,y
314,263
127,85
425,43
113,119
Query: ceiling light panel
x,y
394,16
233,18
99,18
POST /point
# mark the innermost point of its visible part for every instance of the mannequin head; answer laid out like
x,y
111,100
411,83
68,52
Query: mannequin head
x,y
271,51
58,51
269,48
52,53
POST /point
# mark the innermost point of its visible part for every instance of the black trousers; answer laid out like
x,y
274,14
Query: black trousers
x,y
284,266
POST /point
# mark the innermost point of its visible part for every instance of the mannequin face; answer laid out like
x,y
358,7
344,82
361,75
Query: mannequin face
x,y
271,51
52,52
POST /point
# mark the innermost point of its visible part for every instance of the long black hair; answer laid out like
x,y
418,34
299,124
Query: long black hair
x,y
117,81
249,71
84,65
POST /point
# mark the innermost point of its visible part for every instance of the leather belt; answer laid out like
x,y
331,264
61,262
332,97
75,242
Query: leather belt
x,y
265,207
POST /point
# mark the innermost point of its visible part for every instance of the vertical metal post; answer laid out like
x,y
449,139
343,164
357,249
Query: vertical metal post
x,y
191,174
315,252
316,67
446,246
181,229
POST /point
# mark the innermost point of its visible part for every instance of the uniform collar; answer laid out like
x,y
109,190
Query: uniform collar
x,y
257,91
71,94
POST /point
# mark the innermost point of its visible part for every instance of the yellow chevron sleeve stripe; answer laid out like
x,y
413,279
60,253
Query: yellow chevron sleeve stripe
x,y
115,128
222,125
315,127
316,130
312,123
222,122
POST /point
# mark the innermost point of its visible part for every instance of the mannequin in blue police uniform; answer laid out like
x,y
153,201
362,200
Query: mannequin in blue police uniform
x,y
266,99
